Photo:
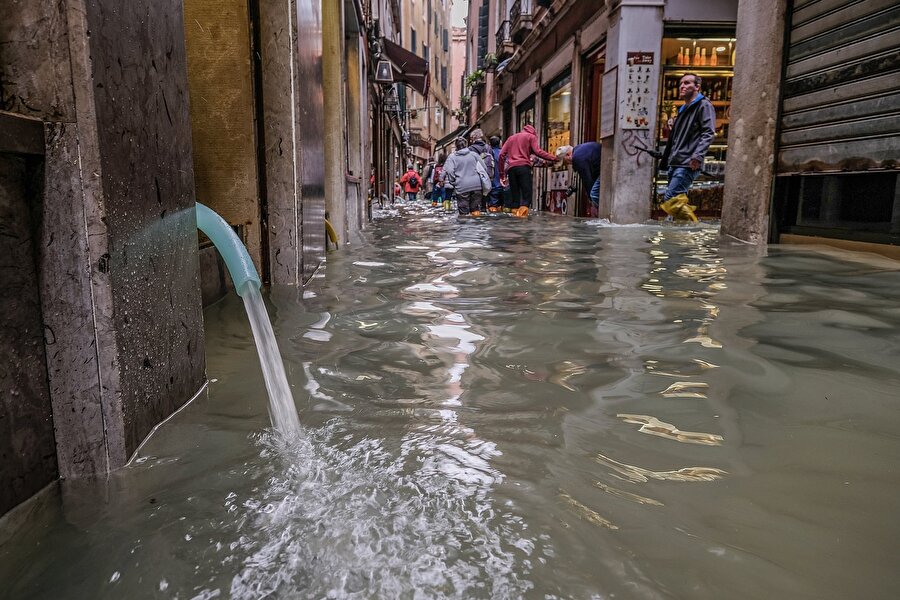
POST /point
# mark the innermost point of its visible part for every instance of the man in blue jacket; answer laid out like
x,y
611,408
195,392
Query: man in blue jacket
x,y
690,137
585,161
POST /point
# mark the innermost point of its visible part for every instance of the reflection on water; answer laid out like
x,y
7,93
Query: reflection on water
x,y
509,408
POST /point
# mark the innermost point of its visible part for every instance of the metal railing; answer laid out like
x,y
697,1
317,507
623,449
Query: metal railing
x,y
503,36
519,9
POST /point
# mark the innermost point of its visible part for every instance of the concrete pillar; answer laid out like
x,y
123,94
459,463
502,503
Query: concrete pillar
x,y
335,116
280,97
625,194
750,165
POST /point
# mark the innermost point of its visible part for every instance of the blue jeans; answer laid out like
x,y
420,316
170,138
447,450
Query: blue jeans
x,y
595,192
680,180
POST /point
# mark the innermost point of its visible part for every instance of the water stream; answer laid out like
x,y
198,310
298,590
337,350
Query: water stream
x,y
281,401
511,408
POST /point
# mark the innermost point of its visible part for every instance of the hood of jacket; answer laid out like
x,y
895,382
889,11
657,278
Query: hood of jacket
x,y
529,129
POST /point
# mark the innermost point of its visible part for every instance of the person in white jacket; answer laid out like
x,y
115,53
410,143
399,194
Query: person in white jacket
x,y
466,172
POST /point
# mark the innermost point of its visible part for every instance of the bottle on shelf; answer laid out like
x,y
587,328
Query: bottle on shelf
x,y
703,57
696,61
732,57
679,60
713,58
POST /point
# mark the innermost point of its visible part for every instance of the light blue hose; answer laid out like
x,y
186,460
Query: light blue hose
x,y
229,245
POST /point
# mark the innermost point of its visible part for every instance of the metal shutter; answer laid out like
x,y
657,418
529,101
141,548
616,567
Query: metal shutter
x,y
841,97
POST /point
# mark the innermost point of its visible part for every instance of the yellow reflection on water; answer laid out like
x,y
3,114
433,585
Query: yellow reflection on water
x,y
653,426
683,389
641,475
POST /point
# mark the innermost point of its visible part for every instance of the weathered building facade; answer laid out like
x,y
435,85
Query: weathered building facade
x,y
114,120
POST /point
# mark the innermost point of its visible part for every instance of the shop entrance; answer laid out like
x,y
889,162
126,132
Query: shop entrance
x,y
708,53
557,117
593,67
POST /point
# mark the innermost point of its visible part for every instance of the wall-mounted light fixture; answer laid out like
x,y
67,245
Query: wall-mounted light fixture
x,y
383,72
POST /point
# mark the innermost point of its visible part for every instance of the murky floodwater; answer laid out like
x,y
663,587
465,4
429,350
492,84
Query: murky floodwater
x,y
505,408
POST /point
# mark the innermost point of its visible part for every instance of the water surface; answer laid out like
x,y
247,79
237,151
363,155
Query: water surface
x,y
504,408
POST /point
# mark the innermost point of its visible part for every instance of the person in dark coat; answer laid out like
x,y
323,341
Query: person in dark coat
x,y
495,198
690,137
585,161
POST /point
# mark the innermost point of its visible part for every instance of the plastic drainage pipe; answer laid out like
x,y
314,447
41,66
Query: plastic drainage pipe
x,y
229,245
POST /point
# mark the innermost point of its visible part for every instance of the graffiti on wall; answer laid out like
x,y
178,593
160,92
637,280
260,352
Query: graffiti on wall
x,y
633,141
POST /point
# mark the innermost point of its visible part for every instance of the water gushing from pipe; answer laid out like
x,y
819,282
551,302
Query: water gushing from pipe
x,y
282,410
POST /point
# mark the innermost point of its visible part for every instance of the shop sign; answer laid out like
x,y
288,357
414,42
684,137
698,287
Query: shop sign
x,y
640,90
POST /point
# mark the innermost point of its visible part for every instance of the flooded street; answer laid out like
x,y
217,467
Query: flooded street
x,y
505,408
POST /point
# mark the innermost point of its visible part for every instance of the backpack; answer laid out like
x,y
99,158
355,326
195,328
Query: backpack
x,y
436,178
414,180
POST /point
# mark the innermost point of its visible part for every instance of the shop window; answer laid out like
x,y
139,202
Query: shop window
x,y
711,57
558,112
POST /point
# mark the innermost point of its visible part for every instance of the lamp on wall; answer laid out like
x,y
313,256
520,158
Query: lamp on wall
x,y
383,72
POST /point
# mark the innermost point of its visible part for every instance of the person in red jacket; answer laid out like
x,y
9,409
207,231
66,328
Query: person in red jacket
x,y
515,167
411,181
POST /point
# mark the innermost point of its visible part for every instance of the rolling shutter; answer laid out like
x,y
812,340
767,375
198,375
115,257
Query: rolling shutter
x,y
841,96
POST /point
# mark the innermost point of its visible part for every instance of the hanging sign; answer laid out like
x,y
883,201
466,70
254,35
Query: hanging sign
x,y
639,91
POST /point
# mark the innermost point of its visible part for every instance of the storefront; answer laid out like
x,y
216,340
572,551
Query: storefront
x,y
709,53
557,112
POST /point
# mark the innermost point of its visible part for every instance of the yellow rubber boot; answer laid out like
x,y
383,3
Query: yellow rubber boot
x,y
446,205
493,209
476,213
679,209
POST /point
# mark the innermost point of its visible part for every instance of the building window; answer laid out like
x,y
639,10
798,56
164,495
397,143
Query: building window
x,y
446,41
525,112
444,78
412,40
425,52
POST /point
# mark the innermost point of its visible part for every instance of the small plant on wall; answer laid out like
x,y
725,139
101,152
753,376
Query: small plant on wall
x,y
489,61
474,79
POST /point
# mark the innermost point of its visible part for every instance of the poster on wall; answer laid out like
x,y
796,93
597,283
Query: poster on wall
x,y
608,103
556,198
640,90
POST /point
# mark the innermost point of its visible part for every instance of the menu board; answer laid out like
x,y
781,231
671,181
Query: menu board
x,y
639,93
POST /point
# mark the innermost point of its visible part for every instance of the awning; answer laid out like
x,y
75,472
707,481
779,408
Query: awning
x,y
462,130
408,68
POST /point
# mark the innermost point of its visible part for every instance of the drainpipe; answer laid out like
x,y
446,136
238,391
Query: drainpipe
x,y
332,83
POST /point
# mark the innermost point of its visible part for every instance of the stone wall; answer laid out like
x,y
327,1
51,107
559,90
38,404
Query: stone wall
x,y
115,229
